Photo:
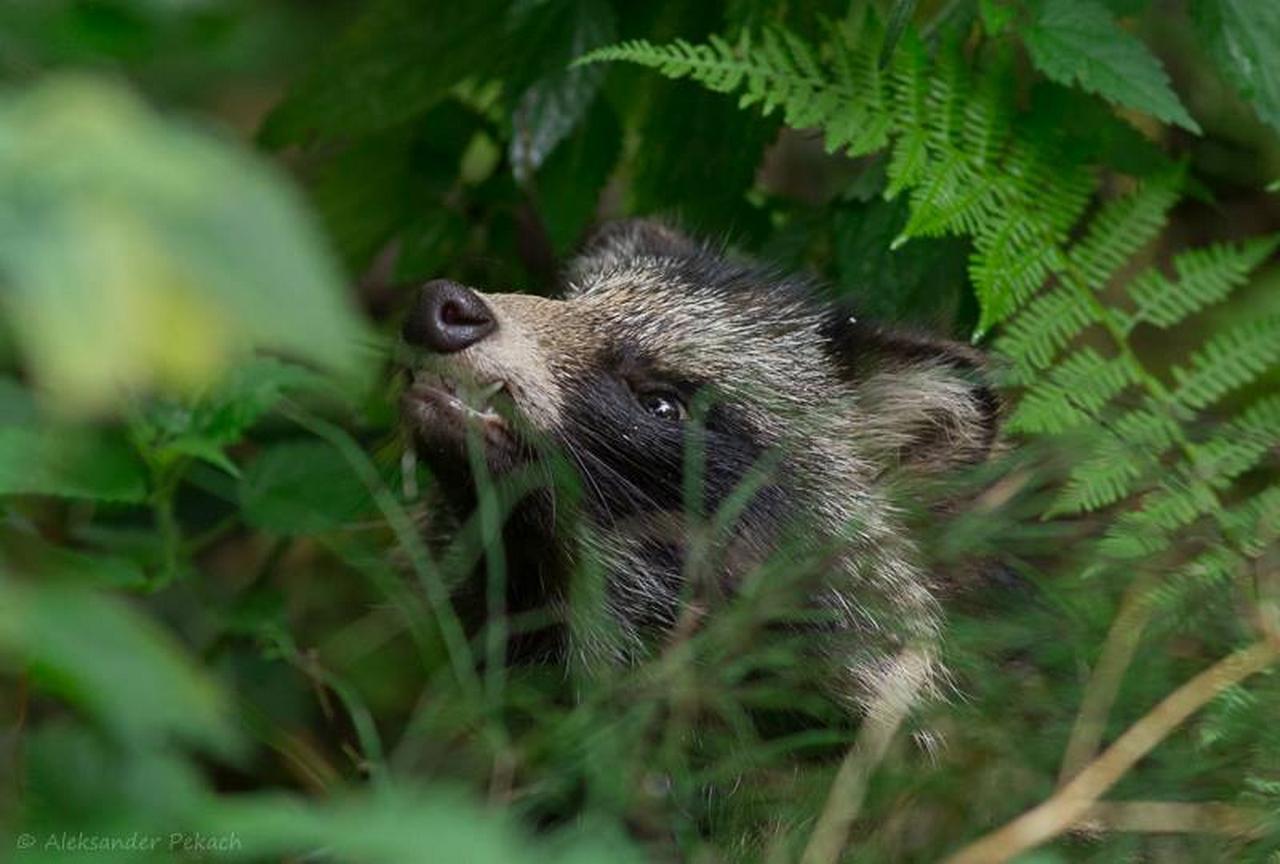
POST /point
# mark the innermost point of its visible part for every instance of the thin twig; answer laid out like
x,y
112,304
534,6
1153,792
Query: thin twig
x,y
848,790
1104,682
1173,817
1072,801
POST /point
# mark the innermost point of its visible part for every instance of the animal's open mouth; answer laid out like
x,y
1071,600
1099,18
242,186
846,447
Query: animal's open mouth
x,y
440,407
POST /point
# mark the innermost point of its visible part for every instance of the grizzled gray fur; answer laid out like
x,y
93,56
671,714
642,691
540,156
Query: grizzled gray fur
x,y
658,339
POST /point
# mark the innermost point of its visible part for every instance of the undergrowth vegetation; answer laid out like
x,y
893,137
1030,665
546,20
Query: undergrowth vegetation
x,y
235,623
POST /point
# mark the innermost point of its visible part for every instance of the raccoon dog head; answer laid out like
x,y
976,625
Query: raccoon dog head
x,y
661,344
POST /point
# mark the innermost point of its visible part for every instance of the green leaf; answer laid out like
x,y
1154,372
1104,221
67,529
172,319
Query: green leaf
x,y
1243,38
303,487
705,180
1230,359
204,427
1121,227
553,106
26,552
1074,392
371,189
569,184
996,16
1078,42
920,282
158,260
401,826
112,662
1204,277
397,60
69,462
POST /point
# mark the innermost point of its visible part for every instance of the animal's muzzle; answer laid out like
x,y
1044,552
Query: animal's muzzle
x,y
447,317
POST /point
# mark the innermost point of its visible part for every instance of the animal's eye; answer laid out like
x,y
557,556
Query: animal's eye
x,y
663,404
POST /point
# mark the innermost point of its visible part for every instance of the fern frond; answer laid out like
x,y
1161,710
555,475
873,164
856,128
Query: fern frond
x,y
1229,361
1122,227
1209,572
1036,334
1077,389
716,65
1240,444
865,125
909,90
1254,523
1133,446
1009,265
1204,277
1018,246
1143,533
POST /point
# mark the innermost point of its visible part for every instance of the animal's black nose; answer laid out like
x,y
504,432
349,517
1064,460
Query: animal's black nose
x,y
448,317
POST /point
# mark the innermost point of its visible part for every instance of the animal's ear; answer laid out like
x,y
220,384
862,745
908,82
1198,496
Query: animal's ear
x,y
614,244
923,403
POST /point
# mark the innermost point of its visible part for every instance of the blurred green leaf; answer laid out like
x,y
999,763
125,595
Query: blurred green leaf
x,y
1078,42
397,60
26,552
203,427
140,253
921,282
112,662
1243,37
402,826
78,784
303,487
72,462
996,15
370,190
704,180
569,185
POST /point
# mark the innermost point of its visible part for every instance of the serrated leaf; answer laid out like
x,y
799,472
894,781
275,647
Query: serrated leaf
x,y
1243,37
302,487
1078,42
203,427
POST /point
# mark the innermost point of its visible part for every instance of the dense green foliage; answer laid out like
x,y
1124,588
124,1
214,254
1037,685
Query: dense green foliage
x,y
220,620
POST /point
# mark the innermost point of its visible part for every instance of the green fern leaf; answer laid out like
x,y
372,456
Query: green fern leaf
x,y
1008,265
909,89
1122,227
716,65
1177,503
1208,573
1240,444
1204,277
863,123
1130,450
1255,523
1228,361
1034,337
1073,393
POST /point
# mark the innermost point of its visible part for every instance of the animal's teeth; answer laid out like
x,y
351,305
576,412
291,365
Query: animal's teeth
x,y
491,390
